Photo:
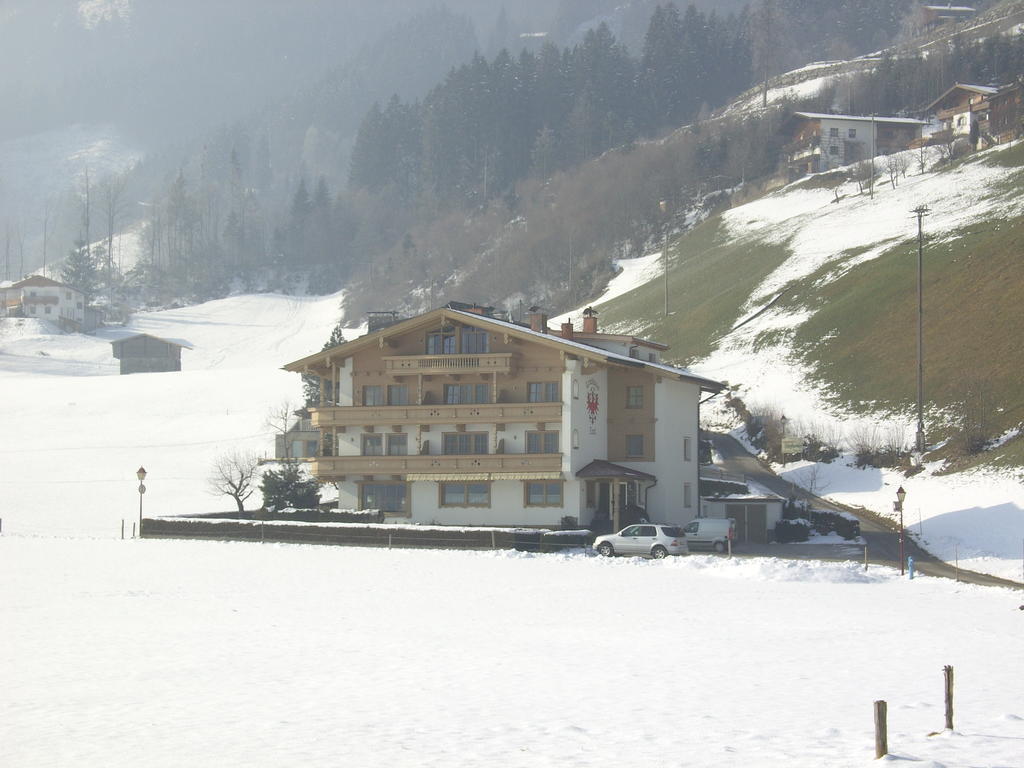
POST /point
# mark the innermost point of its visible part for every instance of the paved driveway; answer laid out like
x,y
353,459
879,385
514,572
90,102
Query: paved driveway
x,y
878,534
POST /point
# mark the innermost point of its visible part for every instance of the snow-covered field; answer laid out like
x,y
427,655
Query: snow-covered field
x,y
167,653
79,430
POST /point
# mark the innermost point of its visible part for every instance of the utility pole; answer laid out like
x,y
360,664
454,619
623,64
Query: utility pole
x,y
921,211
664,249
871,181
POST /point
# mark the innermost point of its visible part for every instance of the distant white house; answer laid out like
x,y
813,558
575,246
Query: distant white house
x,y
45,299
820,141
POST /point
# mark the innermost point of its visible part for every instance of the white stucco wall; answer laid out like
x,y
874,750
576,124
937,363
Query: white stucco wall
x,y
676,403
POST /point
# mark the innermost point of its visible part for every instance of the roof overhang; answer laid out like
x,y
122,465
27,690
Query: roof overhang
x,y
600,469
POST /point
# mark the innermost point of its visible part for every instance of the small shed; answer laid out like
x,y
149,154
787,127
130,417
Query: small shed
x,y
755,514
143,353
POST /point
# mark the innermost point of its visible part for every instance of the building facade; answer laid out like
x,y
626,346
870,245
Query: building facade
x,y
45,299
819,142
142,353
459,417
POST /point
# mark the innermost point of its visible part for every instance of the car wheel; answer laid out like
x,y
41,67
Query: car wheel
x,y
659,553
719,546
606,549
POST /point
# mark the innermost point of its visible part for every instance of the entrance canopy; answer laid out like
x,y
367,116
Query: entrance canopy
x,y
605,470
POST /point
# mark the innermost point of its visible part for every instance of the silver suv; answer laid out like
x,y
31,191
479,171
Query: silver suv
x,y
644,539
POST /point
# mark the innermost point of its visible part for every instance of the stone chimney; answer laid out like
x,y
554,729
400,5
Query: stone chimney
x,y
589,320
538,320
567,331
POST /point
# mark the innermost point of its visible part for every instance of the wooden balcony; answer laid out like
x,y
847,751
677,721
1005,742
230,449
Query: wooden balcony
x,y
385,415
475,465
487,363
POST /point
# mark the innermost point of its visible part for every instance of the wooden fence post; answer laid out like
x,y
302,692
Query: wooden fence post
x,y
133,530
263,533
122,529
881,730
494,544
865,557
948,673
389,541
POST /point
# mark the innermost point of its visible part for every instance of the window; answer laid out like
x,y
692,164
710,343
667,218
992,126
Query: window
x,y
634,397
47,309
465,443
387,497
687,496
398,394
398,444
373,445
833,133
373,395
575,438
634,445
852,133
458,394
833,149
544,494
465,494
686,449
441,342
474,341
542,442
542,392
575,390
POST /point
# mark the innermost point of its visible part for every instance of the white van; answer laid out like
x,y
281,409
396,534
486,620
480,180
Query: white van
x,y
710,532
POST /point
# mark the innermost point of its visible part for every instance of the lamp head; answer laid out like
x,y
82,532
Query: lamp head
x,y
141,474
901,494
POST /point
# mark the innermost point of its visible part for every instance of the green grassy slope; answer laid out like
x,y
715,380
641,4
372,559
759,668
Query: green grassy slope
x,y
860,340
710,277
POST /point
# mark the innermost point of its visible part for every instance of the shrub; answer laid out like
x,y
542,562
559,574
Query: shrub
x,y
791,530
289,487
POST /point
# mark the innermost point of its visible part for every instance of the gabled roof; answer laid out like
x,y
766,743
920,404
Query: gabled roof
x,y
437,316
173,342
38,281
984,90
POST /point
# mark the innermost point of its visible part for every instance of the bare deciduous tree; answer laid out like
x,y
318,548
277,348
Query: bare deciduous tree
x,y
234,474
278,420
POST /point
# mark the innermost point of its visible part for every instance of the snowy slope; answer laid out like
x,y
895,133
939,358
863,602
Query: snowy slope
x,y
79,430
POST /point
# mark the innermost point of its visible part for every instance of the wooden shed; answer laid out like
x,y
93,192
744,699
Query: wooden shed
x,y
143,353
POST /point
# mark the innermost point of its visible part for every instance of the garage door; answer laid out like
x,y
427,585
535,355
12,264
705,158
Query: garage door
x,y
751,522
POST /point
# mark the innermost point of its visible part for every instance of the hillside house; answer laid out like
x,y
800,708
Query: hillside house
x,y
819,142
142,353
461,417
45,299
937,15
961,112
1006,113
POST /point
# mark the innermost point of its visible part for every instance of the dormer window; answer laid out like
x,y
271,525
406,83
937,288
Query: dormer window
x,y
442,342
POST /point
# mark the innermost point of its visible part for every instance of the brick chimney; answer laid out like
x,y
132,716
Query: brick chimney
x,y
567,331
589,320
538,320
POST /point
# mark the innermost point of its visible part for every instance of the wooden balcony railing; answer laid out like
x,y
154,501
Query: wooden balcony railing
x,y
498,362
327,467
383,415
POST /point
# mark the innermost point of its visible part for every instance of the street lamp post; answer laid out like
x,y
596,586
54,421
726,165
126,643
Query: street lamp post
x,y
900,496
141,474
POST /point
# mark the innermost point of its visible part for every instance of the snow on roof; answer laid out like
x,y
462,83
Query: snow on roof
x,y
176,342
956,8
862,118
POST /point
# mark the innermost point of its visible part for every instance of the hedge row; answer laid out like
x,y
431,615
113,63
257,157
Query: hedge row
x,y
524,540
